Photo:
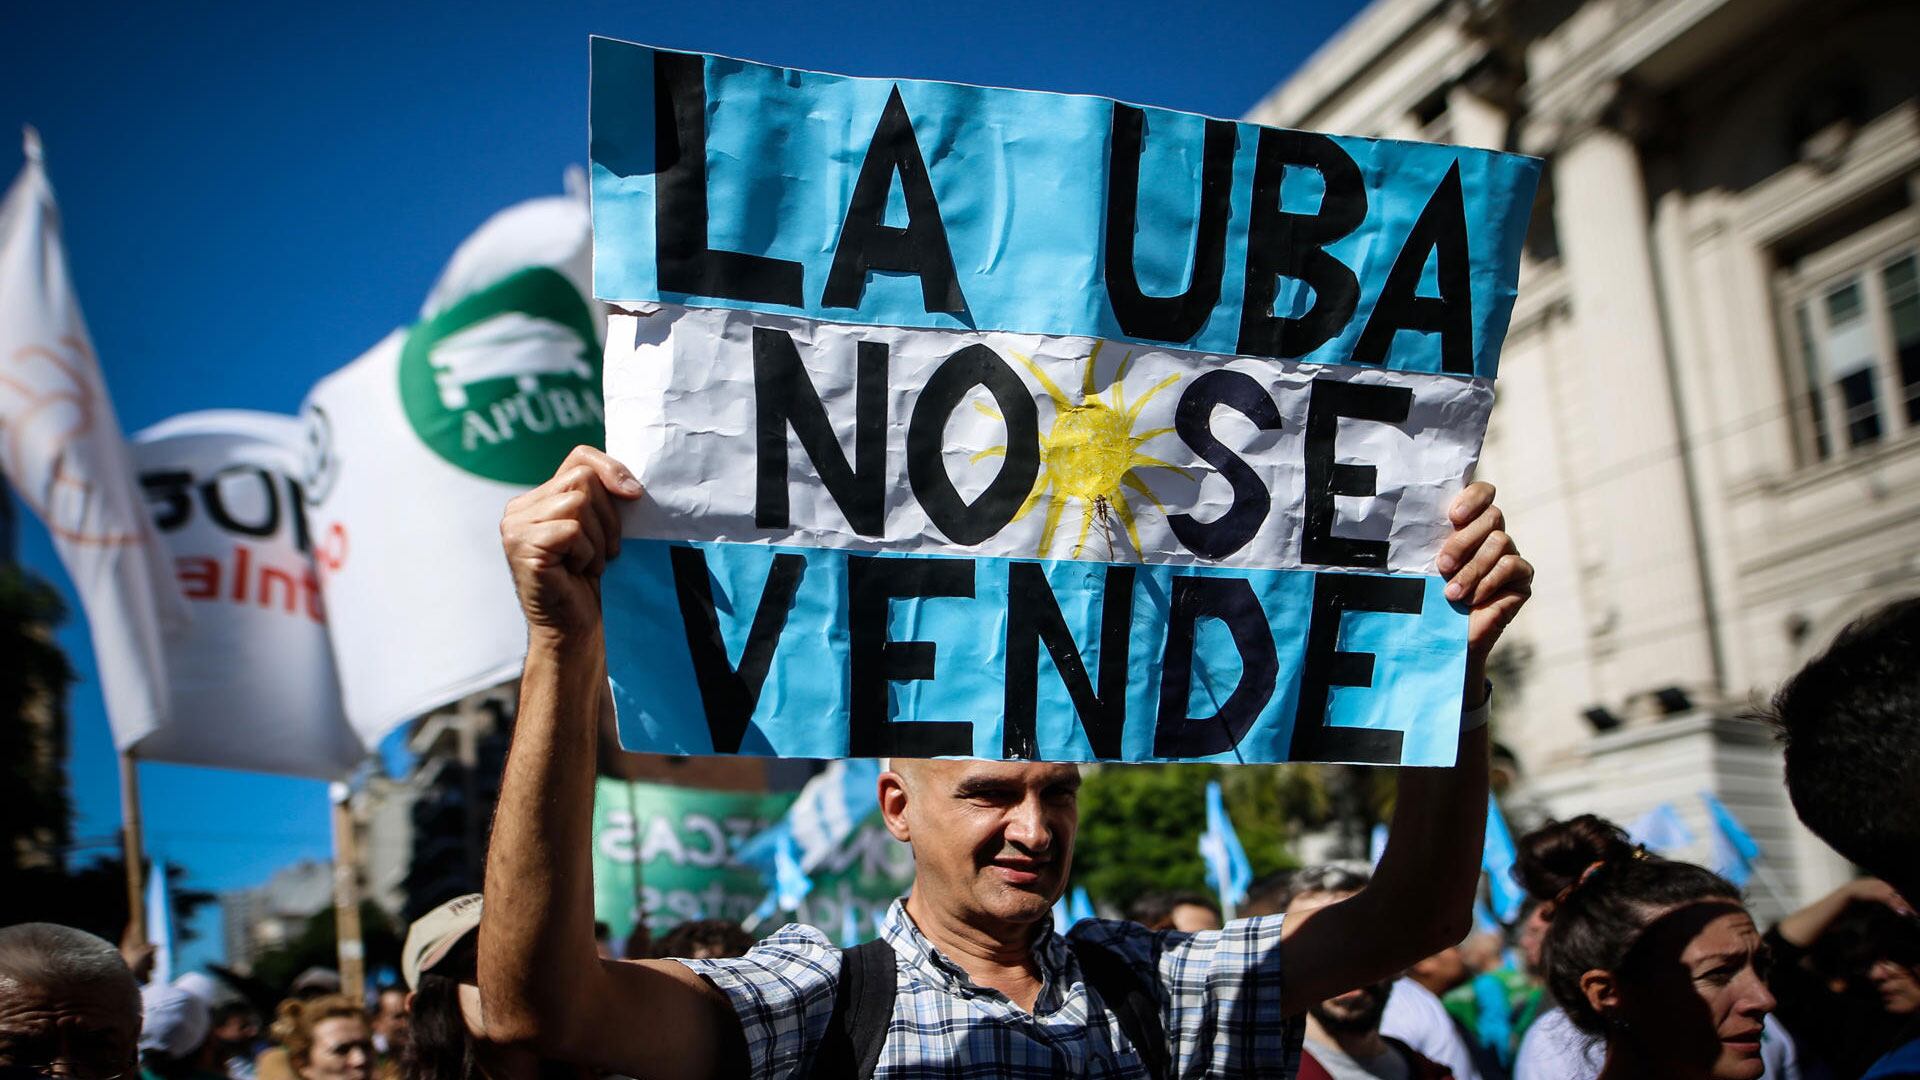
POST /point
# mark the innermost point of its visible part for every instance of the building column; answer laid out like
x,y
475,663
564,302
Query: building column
x,y
1642,576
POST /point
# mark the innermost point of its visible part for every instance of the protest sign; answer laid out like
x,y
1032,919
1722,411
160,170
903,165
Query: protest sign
x,y
998,423
680,843
415,447
252,679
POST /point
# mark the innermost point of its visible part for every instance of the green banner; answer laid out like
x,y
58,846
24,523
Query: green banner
x,y
678,843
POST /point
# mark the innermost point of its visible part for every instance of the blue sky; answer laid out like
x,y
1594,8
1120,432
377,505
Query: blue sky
x,y
254,194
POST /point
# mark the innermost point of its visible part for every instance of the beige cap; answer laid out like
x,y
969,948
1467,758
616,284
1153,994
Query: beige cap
x,y
435,934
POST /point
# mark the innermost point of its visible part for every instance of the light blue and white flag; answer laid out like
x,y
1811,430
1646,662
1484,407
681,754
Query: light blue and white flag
x,y
1228,870
160,923
790,881
1062,915
1734,848
1660,829
830,807
849,924
1377,843
1081,905
1497,858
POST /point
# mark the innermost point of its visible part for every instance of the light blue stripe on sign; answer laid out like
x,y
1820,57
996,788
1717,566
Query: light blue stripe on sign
x,y
944,660
1023,182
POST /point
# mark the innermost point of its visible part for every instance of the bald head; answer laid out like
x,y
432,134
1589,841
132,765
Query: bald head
x,y
66,997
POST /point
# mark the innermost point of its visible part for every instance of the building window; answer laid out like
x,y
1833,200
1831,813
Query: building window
x,y
1856,332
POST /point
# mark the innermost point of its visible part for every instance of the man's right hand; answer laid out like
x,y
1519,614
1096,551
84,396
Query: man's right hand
x,y
558,538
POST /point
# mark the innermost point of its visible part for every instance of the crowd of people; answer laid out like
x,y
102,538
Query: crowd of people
x,y
1625,964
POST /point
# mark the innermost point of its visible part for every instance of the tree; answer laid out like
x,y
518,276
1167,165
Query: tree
x,y
35,816
1140,825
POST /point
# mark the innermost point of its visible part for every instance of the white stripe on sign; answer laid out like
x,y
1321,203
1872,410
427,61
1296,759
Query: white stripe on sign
x,y
764,429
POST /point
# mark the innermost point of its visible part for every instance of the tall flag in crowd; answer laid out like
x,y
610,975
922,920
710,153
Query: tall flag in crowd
x,y
1229,872
1497,857
866,319
61,448
1734,849
160,923
829,808
443,422
1660,829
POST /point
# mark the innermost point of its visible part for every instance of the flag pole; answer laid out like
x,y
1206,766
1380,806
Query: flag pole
x,y
346,895
133,848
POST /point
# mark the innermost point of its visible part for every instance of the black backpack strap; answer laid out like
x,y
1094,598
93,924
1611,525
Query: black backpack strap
x,y
862,1009
1132,1000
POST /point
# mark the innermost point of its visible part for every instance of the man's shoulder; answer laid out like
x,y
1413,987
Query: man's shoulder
x,y
794,950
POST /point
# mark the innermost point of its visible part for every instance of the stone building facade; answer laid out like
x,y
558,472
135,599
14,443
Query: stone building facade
x,y
1708,430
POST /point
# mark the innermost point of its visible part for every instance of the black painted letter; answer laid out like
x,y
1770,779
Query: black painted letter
x,y
873,583
1232,601
1327,478
1165,318
728,693
684,262
1280,244
961,521
1326,667
1034,620
1442,230
1193,421
783,395
868,243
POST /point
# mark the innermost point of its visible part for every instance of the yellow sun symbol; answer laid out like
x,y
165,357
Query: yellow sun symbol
x,y
1091,453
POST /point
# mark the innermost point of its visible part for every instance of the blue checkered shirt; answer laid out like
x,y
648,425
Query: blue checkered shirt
x,y
1219,995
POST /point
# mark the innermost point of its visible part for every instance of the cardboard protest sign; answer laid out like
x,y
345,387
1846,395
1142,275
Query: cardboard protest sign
x,y
252,680
670,852
1008,424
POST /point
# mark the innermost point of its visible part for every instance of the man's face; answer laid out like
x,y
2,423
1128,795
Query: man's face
x,y
391,1022
92,1030
991,839
1897,984
236,1029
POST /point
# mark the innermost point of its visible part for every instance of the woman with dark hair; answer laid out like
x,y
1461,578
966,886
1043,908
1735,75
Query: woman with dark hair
x,y
1656,961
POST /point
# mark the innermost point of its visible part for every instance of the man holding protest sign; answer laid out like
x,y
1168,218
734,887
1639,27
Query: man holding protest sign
x,y
978,971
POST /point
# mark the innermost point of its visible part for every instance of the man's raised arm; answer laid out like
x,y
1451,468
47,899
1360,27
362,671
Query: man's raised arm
x,y
1421,897
542,985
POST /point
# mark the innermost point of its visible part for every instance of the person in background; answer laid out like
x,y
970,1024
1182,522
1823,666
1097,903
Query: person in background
x,y
1494,1007
1847,973
1850,720
228,1050
1187,912
1344,1036
1416,1016
703,939
1656,963
325,1037
391,1026
173,1034
449,1032
68,1004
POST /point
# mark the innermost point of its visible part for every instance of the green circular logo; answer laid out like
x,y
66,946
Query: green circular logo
x,y
505,382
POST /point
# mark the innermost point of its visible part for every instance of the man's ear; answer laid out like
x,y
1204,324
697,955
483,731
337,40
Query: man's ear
x,y
893,805
1602,992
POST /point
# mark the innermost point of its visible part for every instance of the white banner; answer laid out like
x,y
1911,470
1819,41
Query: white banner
x,y
417,446
253,680
61,446
754,428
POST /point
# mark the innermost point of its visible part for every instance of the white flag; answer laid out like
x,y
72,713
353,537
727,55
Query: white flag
x,y
60,445
253,680
417,446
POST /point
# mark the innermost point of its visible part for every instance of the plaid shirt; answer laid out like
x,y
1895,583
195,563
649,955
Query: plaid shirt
x,y
1219,997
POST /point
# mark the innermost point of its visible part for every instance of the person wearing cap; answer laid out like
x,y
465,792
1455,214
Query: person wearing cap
x,y
228,1049
449,1033
173,1032
974,978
